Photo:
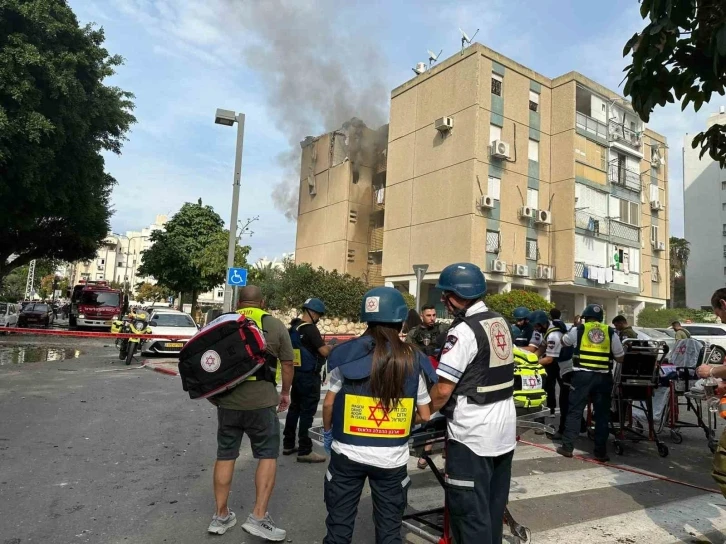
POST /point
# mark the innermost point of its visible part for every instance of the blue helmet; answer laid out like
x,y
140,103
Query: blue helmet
x,y
383,305
521,313
465,280
593,311
538,317
315,305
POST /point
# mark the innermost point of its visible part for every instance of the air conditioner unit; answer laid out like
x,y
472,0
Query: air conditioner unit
x,y
543,216
500,149
521,270
543,272
658,246
444,124
498,266
485,201
655,205
526,211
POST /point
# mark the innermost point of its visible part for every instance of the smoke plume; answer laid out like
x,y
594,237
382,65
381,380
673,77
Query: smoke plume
x,y
319,69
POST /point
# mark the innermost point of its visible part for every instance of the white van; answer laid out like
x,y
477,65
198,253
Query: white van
x,y
9,315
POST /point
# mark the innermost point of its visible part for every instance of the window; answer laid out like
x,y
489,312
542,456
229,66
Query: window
x,y
119,264
654,233
495,133
351,255
173,320
629,213
533,101
724,229
533,153
697,330
99,276
101,262
353,216
497,84
654,273
533,198
494,187
492,241
532,252
723,185
723,207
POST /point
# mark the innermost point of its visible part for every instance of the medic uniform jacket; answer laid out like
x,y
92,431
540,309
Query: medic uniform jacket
x,y
304,359
358,418
594,347
482,383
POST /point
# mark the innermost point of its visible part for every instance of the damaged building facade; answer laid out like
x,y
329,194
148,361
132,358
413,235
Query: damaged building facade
x,y
551,185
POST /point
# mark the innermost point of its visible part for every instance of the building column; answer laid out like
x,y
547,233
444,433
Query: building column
x,y
580,303
611,308
388,283
412,287
545,293
639,307
505,287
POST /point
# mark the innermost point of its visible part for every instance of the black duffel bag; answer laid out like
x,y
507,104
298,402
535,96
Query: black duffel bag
x,y
227,351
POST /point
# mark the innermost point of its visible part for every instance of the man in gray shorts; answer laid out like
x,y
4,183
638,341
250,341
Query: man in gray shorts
x,y
251,408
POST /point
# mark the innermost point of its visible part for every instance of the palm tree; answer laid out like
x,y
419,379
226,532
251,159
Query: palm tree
x,y
679,253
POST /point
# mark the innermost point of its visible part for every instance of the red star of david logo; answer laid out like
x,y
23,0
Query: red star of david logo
x,y
371,304
373,417
209,361
501,339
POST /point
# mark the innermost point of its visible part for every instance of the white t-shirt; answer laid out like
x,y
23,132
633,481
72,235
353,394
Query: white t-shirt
x,y
380,456
616,348
554,344
488,430
537,339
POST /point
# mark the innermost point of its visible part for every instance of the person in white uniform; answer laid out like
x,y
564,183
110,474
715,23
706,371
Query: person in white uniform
x,y
377,392
475,388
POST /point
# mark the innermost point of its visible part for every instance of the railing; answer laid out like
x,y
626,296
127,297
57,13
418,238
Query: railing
x,y
374,276
375,239
591,125
579,270
379,198
624,177
618,278
594,224
624,231
619,132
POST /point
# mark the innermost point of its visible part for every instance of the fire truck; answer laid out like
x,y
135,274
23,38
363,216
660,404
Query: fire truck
x,y
94,304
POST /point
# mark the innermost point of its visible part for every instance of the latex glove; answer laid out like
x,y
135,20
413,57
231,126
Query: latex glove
x,y
328,440
284,402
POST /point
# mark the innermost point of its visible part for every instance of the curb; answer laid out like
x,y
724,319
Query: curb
x,y
161,369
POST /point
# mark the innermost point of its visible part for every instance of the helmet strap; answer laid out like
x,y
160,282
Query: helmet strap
x,y
312,319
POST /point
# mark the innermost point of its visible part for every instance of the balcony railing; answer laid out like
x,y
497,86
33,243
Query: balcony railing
x,y
379,198
593,126
612,279
594,224
375,239
621,133
624,231
624,177
373,275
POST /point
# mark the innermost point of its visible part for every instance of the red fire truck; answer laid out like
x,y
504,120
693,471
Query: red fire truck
x,y
94,304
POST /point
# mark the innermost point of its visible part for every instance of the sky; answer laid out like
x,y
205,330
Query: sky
x,y
302,67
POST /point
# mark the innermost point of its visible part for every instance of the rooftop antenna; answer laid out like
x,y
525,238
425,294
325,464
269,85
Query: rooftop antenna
x,y
420,68
465,39
434,57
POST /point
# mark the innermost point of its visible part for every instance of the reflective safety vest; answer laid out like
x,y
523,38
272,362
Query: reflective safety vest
x,y
268,371
529,380
489,378
303,359
593,349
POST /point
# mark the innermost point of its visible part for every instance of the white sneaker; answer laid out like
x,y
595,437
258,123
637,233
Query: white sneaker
x,y
219,525
264,528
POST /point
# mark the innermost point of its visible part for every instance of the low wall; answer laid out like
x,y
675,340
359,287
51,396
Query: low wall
x,y
327,325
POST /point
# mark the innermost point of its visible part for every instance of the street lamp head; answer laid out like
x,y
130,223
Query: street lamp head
x,y
225,117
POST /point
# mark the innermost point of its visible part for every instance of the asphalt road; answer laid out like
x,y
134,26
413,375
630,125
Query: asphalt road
x,y
92,451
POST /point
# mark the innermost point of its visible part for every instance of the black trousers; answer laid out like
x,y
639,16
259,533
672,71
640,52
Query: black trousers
x,y
598,387
565,385
304,399
477,490
553,378
343,486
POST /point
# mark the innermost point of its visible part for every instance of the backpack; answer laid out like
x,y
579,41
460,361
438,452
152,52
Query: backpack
x,y
226,352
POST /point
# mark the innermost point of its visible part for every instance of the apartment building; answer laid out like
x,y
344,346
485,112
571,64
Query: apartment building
x,y
551,185
705,220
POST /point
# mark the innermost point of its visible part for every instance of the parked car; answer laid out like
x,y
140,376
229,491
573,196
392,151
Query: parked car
x,y
171,322
36,313
8,315
646,333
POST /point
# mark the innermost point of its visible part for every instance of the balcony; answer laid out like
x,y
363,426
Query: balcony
x,y
379,198
593,224
606,278
618,132
375,239
624,231
624,177
373,275
592,126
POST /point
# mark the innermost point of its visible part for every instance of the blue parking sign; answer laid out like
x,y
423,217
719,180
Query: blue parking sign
x,y
237,277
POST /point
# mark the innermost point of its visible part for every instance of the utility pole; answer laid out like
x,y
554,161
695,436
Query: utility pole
x,y
31,279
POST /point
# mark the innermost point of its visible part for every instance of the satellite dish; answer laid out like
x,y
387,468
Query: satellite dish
x,y
465,39
433,57
420,68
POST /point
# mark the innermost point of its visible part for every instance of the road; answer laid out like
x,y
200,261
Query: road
x,y
91,451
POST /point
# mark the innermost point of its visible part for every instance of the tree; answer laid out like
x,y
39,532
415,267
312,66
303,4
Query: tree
x,y
149,292
505,303
190,254
56,119
51,283
679,253
680,54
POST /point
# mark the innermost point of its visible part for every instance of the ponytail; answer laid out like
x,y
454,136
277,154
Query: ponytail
x,y
392,363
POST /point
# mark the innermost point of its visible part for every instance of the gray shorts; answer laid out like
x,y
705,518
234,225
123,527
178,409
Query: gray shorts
x,y
261,426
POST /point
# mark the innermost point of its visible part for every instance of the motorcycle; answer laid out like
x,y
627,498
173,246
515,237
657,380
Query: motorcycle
x,y
138,324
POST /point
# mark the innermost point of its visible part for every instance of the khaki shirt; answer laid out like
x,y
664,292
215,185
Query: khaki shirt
x,y
261,394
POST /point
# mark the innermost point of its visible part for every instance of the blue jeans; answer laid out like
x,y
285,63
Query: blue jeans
x,y
598,387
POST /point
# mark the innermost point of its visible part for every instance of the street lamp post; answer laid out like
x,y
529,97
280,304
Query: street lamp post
x,y
228,118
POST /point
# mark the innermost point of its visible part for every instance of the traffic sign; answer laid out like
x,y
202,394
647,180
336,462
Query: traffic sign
x,y
420,271
237,277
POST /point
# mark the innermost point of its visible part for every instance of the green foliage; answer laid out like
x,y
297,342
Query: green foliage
x,y
652,317
679,251
190,254
149,292
12,286
290,287
410,299
680,55
505,303
57,118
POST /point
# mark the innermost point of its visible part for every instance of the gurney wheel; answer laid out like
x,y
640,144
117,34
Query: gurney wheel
x,y
662,450
676,437
618,448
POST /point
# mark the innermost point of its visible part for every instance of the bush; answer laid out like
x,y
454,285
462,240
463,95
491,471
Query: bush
x,y
410,300
505,303
662,318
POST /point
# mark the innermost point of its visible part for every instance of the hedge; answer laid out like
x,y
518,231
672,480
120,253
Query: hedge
x,y
662,318
505,303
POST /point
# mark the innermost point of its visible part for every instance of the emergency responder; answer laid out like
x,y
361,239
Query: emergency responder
x,y
474,392
522,330
372,377
249,408
537,336
424,336
541,324
624,330
309,357
596,345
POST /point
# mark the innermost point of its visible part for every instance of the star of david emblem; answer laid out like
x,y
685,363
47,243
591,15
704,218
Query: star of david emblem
x,y
500,346
501,342
373,417
209,361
